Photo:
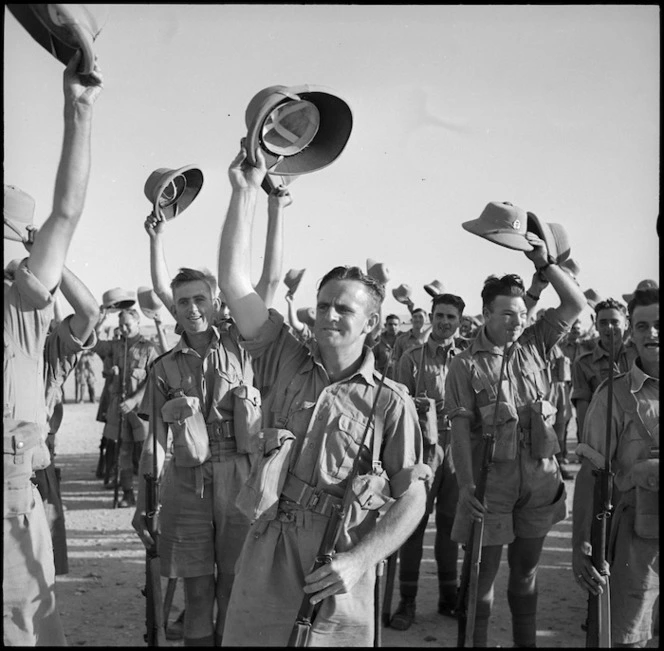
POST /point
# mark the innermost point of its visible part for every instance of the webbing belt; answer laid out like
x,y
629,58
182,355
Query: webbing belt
x,y
306,496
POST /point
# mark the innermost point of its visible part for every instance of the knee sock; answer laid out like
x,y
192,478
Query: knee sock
x,y
524,618
208,640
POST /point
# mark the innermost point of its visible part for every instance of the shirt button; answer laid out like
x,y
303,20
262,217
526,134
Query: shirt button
x,y
652,481
20,444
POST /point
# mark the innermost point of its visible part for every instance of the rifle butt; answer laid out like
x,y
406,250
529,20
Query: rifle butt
x,y
299,636
155,635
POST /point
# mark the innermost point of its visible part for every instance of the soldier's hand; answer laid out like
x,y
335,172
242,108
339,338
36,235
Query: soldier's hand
x,y
29,240
539,254
245,176
115,370
468,500
289,297
280,197
125,407
154,225
585,573
81,90
336,577
140,526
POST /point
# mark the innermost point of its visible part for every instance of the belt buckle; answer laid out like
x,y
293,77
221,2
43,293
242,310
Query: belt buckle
x,y
313,500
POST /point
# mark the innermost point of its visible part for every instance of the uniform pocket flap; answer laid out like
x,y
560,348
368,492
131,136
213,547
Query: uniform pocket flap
x,y
646,474
180,408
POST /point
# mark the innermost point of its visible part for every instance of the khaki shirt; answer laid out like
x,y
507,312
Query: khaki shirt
x,y
328,418
210,379
627,443
382,351
407,340
527,373
592,368
434,359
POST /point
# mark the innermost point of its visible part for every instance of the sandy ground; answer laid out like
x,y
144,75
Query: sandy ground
x,y
101,604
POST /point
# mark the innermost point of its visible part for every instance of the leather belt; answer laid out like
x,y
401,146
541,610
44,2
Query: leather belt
x,y
306,496
220,429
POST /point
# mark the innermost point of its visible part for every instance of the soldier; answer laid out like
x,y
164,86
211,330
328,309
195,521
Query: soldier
x,y
28,582
525,493
192,390
383,349
423,370
323,398
129,381
85,377
592,367
633,548
416,336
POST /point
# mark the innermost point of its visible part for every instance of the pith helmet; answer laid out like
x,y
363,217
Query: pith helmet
x,y
402,293
571,266
502,223
378,271
434,288
18,212
308,125
307,315
644,284
292,279
172,191
62,29
554,236
118,298
149,302
592,297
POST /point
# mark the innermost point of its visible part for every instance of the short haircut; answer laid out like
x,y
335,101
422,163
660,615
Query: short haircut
x,y
419,310
448,299
643,298
507,285
610,304
188,275
375,289
130,311
392,316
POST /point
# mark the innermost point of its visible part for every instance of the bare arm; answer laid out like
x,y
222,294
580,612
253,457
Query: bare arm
x,y
48,254
86,310
246,305
161,279
572,300
266,288
163,343
537,286
294,322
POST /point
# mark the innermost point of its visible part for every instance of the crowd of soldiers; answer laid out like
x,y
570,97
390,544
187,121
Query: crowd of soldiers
x,y
263,431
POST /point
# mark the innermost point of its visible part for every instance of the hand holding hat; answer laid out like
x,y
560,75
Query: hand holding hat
x,y
502,223
434,288
402,294
644,284
378,271
149,302
292,280
171,192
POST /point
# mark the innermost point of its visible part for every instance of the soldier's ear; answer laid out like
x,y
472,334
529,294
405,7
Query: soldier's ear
x,y
372,322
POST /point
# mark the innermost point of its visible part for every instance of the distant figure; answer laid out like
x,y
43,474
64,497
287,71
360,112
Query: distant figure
x,y
85,377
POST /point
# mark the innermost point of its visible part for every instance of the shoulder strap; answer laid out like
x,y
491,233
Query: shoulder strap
x,y
627,403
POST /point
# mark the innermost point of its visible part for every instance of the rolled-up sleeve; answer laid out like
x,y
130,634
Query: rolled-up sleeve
x,y
403,452
459,393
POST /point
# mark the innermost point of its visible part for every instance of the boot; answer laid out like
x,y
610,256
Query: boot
x,y
128,499
404,615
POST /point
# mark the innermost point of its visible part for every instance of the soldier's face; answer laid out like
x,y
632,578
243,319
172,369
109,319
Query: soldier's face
x,y
418,321
607,319
505,319
344,314
194,306
445,321
644,330
128,324
392,326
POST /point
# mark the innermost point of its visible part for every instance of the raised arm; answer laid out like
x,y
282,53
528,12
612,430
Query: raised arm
x,y
572,300
247,307
86,310
277,200
161,279
533,293
47,257
294,322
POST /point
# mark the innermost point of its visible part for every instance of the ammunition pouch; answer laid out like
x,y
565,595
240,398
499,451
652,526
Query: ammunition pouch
x,y
258,499
504,429
247,417
562,369
372,490
191,444
428,419
543,438
646,479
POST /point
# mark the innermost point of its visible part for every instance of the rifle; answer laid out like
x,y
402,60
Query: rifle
x,y
123,395
389,588
378,629
598,634
154,616
299,636
466,606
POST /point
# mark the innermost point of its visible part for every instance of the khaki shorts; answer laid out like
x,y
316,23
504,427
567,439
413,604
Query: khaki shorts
x,y
634,579
524,497
199,533
30,614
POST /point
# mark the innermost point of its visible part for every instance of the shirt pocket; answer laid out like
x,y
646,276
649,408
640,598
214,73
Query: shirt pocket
x,y
299,416
342,446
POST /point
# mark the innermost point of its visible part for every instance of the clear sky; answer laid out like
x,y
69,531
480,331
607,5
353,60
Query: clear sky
x,y
553,108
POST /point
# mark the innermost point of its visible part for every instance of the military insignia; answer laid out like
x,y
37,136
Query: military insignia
x,y
516,224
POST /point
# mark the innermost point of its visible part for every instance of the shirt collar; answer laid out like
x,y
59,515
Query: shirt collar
x,y
638,377
435,346
599,352
481,343
367,368
183,347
